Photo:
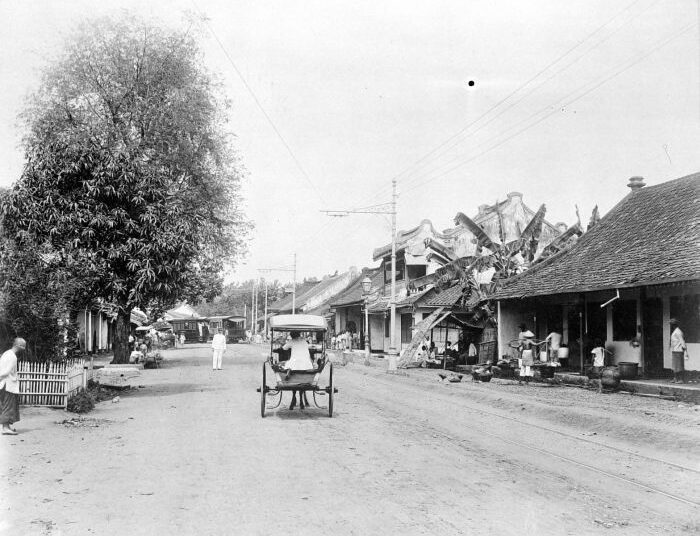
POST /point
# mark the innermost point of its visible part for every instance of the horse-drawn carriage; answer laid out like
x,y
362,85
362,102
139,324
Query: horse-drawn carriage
x,y
312,329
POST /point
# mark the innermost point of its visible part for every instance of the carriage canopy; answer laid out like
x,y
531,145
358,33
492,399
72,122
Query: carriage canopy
x,y
298,323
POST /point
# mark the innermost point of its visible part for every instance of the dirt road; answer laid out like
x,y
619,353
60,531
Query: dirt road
x,y
189,454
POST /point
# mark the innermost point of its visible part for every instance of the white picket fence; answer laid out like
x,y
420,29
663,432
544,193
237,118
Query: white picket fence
x,y
51,384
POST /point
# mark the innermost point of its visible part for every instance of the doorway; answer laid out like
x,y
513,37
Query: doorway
x,y
406,325
652,333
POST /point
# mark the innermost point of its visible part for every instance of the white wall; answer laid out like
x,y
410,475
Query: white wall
x,y
510,315
329,291
622,351
104,328
378,342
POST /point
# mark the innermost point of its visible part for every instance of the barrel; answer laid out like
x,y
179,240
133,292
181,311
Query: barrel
x,y
546,372
563,352
628,370
610,378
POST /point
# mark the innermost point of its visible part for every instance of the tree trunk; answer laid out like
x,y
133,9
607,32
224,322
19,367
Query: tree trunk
x,y
120,342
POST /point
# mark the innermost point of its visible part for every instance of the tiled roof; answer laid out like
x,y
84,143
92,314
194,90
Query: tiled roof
x,y
302,292
353,293
379,306
411,298
650,237
447,297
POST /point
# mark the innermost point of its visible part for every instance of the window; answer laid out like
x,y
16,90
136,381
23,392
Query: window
x,y
624,320
686,309
416,271
400,269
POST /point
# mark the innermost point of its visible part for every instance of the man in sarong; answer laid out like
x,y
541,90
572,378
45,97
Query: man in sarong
x,y
9,387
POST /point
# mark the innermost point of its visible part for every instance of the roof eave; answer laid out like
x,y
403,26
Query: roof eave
x,y
581,290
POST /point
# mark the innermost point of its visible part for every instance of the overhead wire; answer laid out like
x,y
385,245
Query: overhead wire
x,y
458,137
384,189
406,182
407,186
250,90
629,65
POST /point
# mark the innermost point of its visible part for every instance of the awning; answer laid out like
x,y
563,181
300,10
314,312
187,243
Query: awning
x,y
378,307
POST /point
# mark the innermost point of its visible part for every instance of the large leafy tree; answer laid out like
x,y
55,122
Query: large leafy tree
x,y
130,176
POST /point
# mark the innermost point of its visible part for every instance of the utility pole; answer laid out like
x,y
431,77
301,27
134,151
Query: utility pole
x,y
282,269
254,309
385,208
294,287
392,319
265,317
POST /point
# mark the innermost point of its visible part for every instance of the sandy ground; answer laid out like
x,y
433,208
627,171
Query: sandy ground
x,y
189,454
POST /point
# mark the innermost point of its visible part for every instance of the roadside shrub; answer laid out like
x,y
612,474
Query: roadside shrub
x,y
82,402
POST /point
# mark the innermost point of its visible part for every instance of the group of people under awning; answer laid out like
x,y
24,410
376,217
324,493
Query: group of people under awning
x,y
429,355
530,351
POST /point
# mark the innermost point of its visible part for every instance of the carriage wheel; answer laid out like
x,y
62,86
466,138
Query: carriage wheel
x,y
330,391
263,393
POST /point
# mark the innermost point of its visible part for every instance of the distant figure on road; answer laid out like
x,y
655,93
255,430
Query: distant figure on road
x,y
9,387
679,352
218,344
182,339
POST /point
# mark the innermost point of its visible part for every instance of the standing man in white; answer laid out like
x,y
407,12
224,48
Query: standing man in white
x,y
218,343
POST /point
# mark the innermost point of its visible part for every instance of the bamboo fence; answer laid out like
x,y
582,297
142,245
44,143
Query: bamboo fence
x,y
51,384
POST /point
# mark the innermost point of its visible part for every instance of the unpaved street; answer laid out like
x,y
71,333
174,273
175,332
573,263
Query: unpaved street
x,y
189,454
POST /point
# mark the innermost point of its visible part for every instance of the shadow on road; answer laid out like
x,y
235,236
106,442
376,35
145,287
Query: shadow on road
x,y
168,389
298,415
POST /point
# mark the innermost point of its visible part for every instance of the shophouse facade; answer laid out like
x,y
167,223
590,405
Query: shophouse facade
x,y
621,282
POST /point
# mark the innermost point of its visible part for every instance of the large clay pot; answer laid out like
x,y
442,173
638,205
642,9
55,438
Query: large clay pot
x,y
628,370
547,372
610,378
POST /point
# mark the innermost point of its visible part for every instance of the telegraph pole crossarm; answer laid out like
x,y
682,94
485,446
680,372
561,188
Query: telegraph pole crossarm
x,y
383,208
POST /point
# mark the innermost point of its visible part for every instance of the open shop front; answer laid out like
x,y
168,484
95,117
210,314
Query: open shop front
x,y
470,343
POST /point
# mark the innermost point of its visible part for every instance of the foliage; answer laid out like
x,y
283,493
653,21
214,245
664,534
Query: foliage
x,y
82,402
85,399
495,261
237,297
130,180
36,297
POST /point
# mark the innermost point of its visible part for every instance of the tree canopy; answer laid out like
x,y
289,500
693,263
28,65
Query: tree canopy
x,y
130,178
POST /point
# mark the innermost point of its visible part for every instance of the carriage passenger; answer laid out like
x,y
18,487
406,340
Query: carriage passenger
x,y
300,359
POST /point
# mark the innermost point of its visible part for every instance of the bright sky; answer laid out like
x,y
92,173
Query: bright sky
x,y
361,91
